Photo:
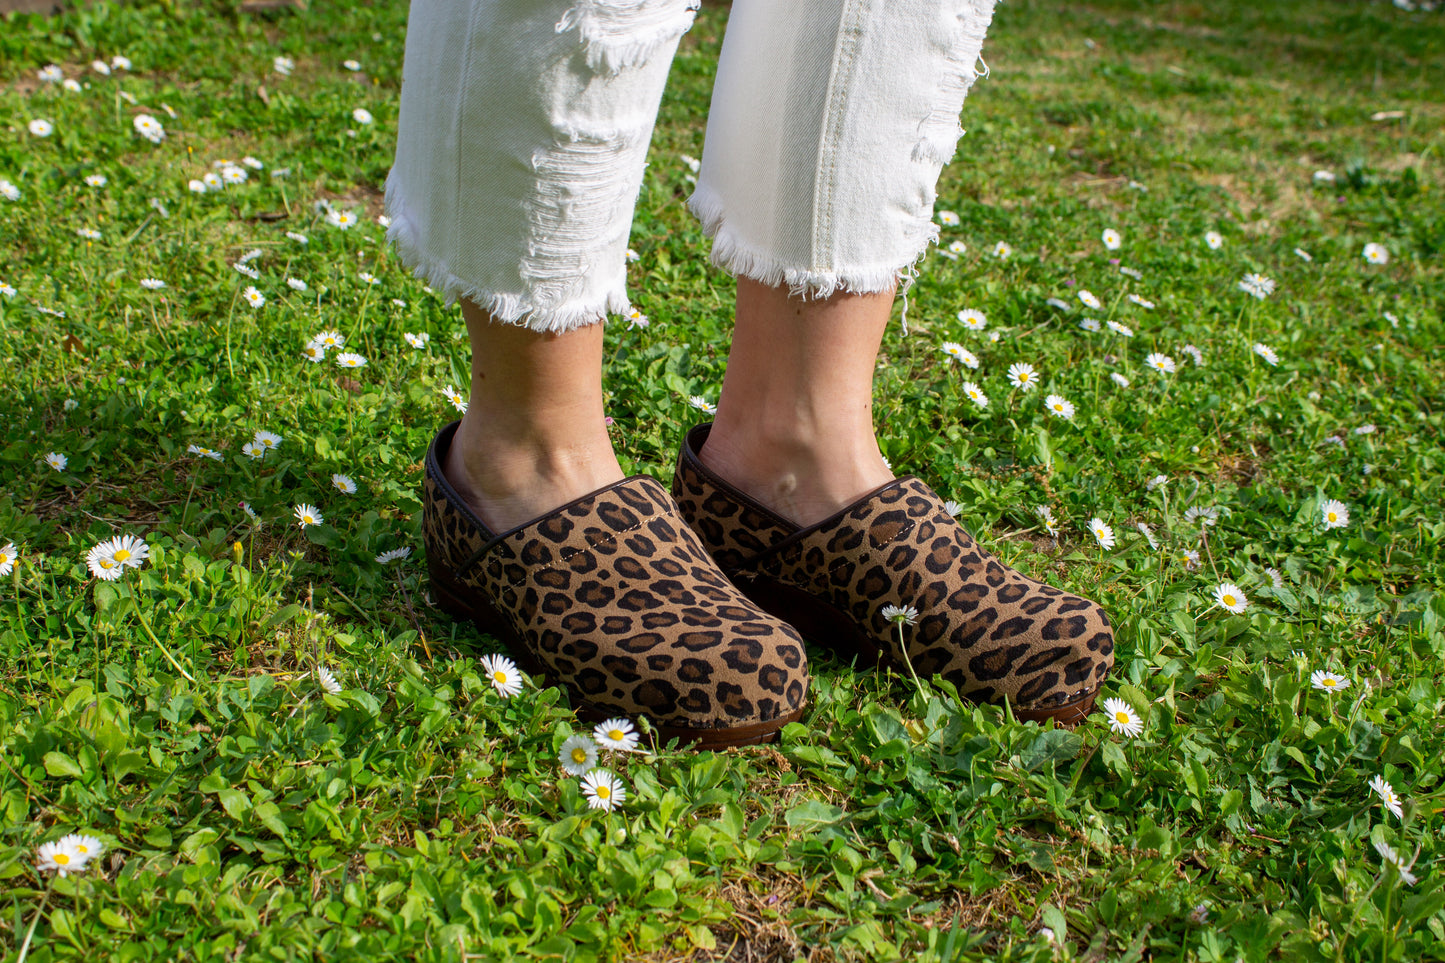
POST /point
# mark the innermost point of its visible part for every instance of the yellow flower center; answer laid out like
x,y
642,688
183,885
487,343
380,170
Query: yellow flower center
x,y
82,848
1228,599
307,519
615,735
4,558
1122,718
603,792
62,858
499,676
1332,516
122,555
106,563
579,755
1328,683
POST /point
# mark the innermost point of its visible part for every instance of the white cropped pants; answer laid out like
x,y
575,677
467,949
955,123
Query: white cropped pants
x,y
525,123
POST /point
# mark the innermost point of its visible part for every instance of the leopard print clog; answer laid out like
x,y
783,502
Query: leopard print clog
x,y
614,597
995,634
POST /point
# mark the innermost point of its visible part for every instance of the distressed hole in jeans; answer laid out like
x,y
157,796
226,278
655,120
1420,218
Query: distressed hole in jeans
x,y
627,33
961,40
581,211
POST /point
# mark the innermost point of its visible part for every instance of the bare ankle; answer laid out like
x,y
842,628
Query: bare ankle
x,y
508,481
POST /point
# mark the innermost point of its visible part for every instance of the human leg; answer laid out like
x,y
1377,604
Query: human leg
x,y
819,246
522,138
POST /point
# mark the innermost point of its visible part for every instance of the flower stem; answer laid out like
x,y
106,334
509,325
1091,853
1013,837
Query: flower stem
x,y
135,604
25,947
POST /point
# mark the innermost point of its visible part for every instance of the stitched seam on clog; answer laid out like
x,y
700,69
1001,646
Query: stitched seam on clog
x,y
591,546
845,560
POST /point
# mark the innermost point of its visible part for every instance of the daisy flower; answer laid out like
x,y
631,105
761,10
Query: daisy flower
x,y
949,219
1190,560
1141,301
702,404
394,555
267,439
1328,681
7,558
973,319
100,67
957,352
232,174
350,359
953,508
1122,330
1267,353
1324,177
1058,303
329,340
578,755
203,452
975,394
1102,533
56,460
212,181
1203,515
253,297
87,846
283,65
417,340
1022,375
61,857
632,256
1090,324
314,352
1089,299
1376,253
89,233
1214,240
603,790
899,615
342,219
96,180
1002,249
362,116
502,673
1275,578
152,284
9,191
51,74
149,128
1257,285
1388,854
616,734
1303,255
41,128
1366,429
1160,362
369,278
458,400
1194,353
957,247
253,450
1133,273
343,484
1230,598
101,565
1122,718
1118,379
1112,239
308,515
327,680
1334,514
1148,534
1046,518
299,239
1388,798
1059,406
636,319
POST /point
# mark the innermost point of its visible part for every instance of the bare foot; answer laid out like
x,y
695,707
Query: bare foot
x,y
802,479
509,482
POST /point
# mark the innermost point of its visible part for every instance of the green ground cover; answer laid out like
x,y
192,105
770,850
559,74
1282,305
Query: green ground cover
x,y
248,813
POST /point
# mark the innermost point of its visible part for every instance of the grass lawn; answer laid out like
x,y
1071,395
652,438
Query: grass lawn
x,y
177,715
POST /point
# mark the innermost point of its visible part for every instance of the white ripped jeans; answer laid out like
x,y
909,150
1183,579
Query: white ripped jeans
x,y
525,123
